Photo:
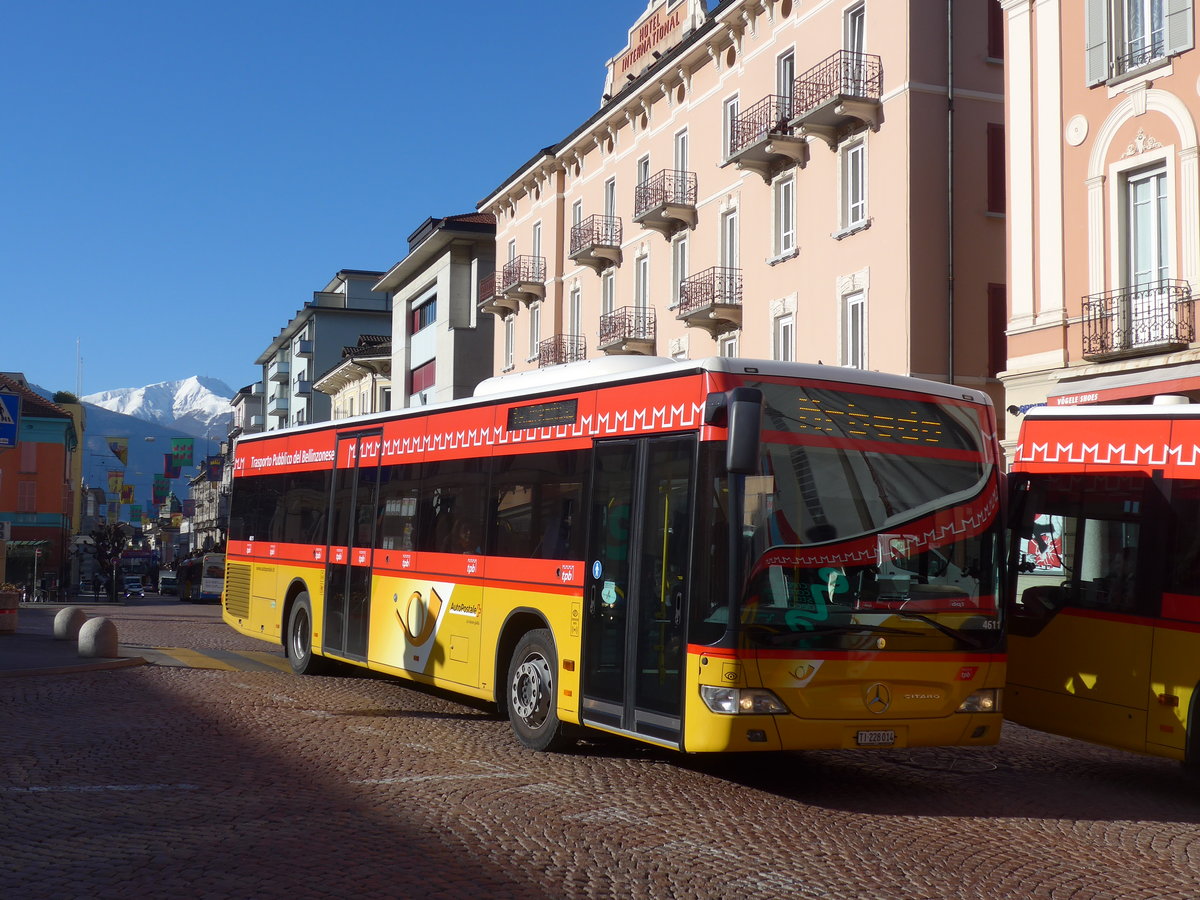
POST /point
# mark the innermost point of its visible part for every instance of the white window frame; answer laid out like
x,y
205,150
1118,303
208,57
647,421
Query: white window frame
x,y
783,337
643,169
608,292
535,330
610,198
577,212
853,183
785,73
729,113
784,192
854,330
575,312
537,240
729,251
727,344
512,249
681,150
510,343
854,28
641,281
679,266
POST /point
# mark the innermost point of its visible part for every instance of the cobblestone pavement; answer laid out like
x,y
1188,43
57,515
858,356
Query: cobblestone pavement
x,y
157,782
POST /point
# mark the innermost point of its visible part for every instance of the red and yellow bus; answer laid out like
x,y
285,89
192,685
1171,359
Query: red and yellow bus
x,y
707,555
1104,630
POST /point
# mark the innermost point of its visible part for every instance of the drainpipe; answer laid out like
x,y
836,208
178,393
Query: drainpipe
x,y
950,189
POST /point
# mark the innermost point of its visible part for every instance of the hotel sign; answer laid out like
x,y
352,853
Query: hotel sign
x,y
659,30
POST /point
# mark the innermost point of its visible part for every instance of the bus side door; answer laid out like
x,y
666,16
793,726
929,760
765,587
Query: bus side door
x,y
635,593
349,554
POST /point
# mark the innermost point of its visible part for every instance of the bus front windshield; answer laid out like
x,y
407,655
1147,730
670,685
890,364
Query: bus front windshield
x,y
873,524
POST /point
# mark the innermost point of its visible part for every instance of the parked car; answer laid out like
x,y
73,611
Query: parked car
x,y
133,586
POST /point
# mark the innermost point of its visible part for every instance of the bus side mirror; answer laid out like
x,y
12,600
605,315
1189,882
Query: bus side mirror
x,y
740,411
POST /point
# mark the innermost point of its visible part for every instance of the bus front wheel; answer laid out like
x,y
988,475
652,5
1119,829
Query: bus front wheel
x,y
532,693
299,638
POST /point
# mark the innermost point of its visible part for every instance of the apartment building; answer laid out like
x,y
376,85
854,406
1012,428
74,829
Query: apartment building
x,y
1104,201
38,489
311,343
441,344
812,180
361,384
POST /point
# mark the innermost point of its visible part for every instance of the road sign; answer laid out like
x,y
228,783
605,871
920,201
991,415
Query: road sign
x,y
10,419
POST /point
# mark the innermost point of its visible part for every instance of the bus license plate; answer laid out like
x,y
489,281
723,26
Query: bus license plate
x,y
876,738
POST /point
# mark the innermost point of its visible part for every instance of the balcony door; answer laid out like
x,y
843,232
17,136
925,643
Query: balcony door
x,y
1148,315
639,561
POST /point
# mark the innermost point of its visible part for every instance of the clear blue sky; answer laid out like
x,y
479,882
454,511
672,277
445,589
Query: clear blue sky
x,y
177,178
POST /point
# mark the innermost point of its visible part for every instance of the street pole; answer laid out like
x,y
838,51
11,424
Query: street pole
x,y
34,588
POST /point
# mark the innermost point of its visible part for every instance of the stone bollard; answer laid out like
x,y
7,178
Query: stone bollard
x,y
68,621
98,638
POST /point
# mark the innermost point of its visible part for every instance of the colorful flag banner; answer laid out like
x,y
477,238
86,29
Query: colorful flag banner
x,y
116,480
189,508
120,448
135,514
159,490
170,467
127,493
114,513
176,520
181,450
214,466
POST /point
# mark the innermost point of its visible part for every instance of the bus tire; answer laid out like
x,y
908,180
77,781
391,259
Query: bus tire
x,y
299,645
532,693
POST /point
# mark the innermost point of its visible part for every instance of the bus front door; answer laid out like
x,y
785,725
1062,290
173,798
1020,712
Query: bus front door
x,y
351,537
636,589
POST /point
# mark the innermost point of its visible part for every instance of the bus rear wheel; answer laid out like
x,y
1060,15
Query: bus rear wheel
x,y
532,690
299,638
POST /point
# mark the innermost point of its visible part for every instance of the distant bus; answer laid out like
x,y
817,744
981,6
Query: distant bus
x,y
1104,635
709,555
201,578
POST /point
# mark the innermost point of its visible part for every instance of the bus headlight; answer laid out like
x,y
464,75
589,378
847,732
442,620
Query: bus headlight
x,y
739,701
985,701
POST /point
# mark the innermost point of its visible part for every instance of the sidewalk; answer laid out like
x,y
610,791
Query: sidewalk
x,y
33,650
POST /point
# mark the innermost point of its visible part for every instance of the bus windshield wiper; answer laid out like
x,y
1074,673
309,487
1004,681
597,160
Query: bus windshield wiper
x,y
956,633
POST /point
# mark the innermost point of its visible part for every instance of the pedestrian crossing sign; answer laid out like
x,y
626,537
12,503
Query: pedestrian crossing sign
x,y
10,418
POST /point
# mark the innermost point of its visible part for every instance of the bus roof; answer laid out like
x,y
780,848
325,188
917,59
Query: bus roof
x,y
1117,411
613,370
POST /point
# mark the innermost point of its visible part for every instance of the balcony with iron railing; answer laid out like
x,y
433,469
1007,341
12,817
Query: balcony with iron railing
x,y
761,139
630,329
838,94
492,301
523,278
1135,321
1141,56
712,300
596,242
666,202
562,348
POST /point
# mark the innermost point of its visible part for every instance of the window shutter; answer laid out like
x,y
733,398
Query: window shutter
x,y
1096,41
1179,26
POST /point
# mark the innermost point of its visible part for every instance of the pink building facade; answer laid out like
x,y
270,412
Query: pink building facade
x,y
788,179
1104,201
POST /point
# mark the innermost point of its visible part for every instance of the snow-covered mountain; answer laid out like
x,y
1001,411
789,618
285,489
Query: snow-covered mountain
x,y
194,405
